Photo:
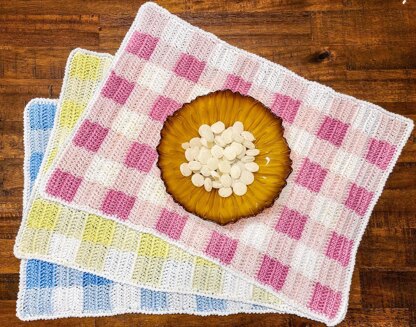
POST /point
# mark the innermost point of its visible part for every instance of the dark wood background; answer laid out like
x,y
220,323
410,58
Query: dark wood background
x,y
363,48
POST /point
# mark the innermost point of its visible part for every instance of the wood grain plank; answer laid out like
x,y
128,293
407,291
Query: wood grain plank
x,y
33,63
177,6
49,30
9,283
401,178
391,219
8,228
378,90
380,57
9,264
237,320
397,201
391,317
379,27
265,30
396,244
11,185
388,289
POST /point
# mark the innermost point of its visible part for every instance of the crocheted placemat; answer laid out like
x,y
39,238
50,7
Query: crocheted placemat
x,y
343,150
61,235
49,291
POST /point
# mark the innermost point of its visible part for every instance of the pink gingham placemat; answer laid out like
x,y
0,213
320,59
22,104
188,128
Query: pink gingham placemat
x,y
303,248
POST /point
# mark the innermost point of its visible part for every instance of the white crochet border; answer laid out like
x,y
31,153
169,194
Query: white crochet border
x,y
303,312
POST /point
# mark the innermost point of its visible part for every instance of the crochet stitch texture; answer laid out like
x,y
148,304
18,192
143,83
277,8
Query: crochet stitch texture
x,y
343,150
48,290
38,121
78,240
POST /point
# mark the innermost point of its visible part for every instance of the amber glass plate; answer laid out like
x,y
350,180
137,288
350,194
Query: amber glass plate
x,y
273,160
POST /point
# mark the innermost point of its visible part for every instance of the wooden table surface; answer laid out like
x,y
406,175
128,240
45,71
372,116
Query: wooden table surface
x,y
363,48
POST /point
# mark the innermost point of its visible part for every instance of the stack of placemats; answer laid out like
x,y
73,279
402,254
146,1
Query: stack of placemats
x,y
100,235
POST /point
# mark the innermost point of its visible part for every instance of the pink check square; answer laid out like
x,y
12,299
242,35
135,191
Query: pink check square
x,y
325,300
117,88
285,107
237,84
163,107
358,199
272,272
142,45
339,248
90,136
221,247
171,224
63,185
118,204
189,67
291,223
141,157
380,153
332,130
311,175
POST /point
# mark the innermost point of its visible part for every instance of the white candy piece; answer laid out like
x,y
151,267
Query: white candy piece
x,y
185,171
212,163
242,154
189,154
216,184
220,141
226,180
204,142
195,141
237,137
227,135
249,145
229,153
239,188
247,177
221,158
252,166
208,184
246,159
217,151
238,147
215,174
204,155
224,166
197,180
218,127
238,127
252,152
225,192
241,165
235,171
206,132
248,136
194,165
206,171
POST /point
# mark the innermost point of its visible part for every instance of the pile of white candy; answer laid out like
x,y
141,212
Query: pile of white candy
x,y
221,158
